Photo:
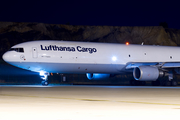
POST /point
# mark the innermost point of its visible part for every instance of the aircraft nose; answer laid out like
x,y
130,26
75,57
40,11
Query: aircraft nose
x,y
6,56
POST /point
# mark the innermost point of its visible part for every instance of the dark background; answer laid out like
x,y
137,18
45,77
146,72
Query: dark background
x,y
93,12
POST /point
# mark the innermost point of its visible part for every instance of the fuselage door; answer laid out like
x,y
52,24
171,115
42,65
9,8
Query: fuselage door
x,y
34,52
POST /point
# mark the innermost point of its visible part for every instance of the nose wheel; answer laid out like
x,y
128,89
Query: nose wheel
x,y
45,83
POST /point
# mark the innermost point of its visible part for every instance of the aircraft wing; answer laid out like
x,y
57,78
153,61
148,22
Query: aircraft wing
x,y
171,65
157,64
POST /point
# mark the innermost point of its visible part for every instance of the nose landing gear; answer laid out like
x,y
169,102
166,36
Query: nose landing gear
x,y
44,78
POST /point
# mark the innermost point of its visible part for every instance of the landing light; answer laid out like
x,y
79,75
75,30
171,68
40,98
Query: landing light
x,y
41,73
114,58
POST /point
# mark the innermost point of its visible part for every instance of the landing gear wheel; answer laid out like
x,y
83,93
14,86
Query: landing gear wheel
x,y
168,83
44,83
174,83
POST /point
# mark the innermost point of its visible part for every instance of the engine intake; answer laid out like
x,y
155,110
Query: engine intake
x,y
147,73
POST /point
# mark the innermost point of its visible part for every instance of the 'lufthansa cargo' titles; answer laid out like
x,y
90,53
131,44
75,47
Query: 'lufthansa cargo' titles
x,y
70,49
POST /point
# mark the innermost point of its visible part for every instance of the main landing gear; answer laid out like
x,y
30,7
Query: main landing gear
x,y
167,80
170,81
44,78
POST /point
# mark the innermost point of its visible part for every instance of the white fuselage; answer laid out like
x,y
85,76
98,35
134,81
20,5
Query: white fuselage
x,y
87,57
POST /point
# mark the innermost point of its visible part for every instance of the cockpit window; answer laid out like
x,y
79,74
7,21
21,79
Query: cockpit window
x,y
21,50
17,49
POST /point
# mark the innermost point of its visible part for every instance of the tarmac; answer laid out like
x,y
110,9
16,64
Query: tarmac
x,y
70,102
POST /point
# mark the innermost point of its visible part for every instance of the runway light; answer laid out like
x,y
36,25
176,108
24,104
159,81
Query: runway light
x,y
127,43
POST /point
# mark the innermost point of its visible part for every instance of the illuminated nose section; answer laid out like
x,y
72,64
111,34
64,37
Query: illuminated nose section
x,y
6,57
10,56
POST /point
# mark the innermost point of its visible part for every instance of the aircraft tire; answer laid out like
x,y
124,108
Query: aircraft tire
x,y
174,83
45,83
168,83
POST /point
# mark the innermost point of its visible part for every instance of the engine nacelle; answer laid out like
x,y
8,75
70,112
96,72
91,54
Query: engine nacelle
x,y
147,73
96,76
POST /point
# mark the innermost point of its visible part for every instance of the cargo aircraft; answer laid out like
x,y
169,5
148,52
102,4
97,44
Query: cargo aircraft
x,y
96,60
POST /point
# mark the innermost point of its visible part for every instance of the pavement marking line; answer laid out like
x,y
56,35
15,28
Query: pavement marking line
x,y
149,103
91,100
95,100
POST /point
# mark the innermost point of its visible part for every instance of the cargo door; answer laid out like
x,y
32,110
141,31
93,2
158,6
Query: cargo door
x,y
34,52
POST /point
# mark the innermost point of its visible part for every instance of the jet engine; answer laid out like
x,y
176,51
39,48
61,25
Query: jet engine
x,y
147,73
96,76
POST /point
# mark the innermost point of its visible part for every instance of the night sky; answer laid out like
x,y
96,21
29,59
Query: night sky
x,y
93,12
